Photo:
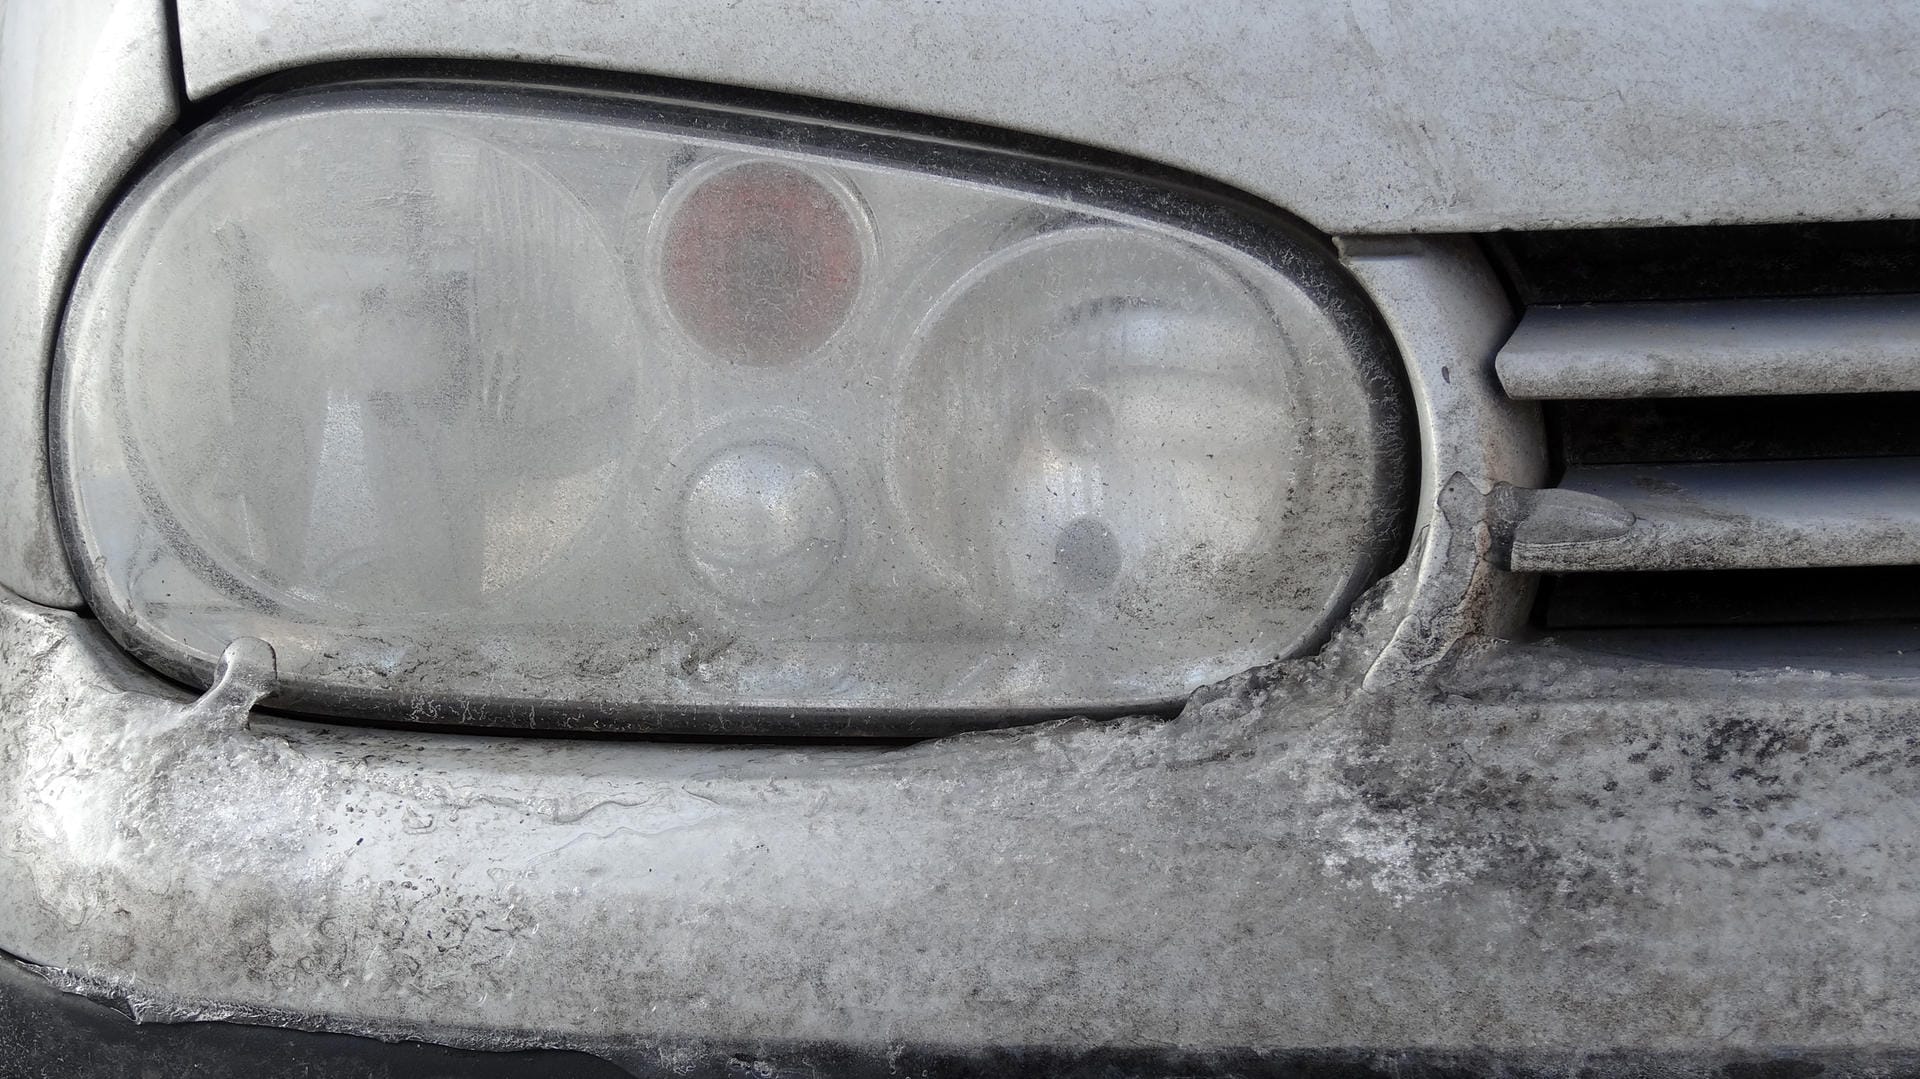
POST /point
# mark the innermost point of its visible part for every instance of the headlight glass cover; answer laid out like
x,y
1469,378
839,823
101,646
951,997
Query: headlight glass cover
x,y
534,407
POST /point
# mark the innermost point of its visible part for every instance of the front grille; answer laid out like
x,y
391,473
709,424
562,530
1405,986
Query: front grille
x,y
1722,462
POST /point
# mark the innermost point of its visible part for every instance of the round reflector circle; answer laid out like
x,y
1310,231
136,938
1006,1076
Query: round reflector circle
x,y
760,262
411,386
1114,436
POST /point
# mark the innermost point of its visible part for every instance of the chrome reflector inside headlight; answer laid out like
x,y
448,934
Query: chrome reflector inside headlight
x,y
516,406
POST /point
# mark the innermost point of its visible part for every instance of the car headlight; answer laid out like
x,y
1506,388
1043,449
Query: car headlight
x,y
497,406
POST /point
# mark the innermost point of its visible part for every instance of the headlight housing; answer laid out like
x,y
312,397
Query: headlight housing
x,y
527,406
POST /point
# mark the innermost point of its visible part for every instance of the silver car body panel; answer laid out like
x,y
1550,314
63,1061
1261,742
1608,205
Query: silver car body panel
x,y
1360,116
1424,836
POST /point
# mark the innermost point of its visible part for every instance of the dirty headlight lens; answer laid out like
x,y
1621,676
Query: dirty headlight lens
x,y
525,407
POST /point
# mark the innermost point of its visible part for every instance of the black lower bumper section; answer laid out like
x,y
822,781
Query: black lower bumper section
x,y
45,1033
48,1034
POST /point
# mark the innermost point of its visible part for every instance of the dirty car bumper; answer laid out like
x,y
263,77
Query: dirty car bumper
x,y
1294,864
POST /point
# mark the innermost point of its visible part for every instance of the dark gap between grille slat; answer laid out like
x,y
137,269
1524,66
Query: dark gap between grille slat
x,y
1773,597
1705,429
1710,262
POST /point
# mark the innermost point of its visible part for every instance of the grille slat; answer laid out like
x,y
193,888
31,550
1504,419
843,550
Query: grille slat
x,y
1847,344
1754,515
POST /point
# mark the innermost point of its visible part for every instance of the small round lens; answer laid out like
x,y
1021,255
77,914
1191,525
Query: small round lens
x,y
762,523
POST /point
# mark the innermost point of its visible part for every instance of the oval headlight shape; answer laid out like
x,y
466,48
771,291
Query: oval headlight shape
x,y
551,409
